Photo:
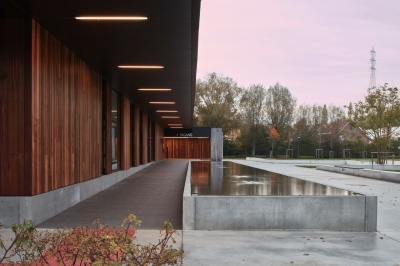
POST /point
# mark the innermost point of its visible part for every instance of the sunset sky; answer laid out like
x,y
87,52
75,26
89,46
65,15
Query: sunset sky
x,y
320,50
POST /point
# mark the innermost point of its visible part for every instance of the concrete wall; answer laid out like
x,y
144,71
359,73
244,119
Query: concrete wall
x,y
41,207
368,173
333,213
217,140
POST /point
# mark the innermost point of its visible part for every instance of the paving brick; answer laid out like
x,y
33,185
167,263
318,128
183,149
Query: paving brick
x,y
153,194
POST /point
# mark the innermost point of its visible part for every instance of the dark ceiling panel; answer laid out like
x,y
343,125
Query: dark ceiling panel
x,y
169,38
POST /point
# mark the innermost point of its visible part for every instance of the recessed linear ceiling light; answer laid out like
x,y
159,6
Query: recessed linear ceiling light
x,y
141,67
114,111
174,124
154,89
161,102
170,117
111,18
166,111
176,127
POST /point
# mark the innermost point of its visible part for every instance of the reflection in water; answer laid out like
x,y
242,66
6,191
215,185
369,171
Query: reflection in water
x,y
231,179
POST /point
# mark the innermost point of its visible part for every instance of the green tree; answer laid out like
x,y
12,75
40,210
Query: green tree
x,y
216,102
379,115
252,106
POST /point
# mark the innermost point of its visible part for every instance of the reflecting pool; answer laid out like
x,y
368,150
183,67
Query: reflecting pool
x,y
232,179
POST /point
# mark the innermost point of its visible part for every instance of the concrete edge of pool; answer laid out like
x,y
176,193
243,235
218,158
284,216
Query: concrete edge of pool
x,y
329,213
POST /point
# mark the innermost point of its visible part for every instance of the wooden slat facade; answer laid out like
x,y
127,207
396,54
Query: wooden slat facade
x,y
125,134
135,136
15,105
55,116
158,142
145,138
66,116
106,126
187,148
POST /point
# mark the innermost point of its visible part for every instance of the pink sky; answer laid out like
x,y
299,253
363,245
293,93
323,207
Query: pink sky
x,y
320,50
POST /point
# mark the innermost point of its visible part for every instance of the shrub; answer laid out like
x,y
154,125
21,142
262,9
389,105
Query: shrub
x,y
101,245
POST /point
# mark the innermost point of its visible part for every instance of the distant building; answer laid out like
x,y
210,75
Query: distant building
x,y
342,130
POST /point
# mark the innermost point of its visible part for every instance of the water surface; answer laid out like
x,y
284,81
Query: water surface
x,y
232,179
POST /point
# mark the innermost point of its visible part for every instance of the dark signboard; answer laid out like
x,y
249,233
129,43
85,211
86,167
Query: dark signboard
x,y
188,132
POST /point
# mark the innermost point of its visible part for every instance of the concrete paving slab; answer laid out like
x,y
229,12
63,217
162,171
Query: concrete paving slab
x,y
145,237
288,248
306,247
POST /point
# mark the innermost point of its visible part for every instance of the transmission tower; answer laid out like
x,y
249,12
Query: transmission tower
x,y
372,81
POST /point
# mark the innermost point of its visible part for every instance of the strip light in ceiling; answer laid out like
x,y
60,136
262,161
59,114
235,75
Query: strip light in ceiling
x,y
140,67
161,102
110,18
154,89
174,124
166,111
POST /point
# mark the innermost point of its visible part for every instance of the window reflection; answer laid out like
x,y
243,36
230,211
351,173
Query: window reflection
x,y
115,150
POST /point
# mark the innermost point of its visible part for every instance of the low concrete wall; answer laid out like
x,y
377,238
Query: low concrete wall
x,y
380,167
294,161
334,213
368,173
41,207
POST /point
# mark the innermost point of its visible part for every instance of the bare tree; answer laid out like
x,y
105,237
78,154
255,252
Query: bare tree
x,y
216,102
253,112
335,113
280,107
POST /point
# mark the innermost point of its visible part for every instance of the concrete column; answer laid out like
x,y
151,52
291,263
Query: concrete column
x,y
216,144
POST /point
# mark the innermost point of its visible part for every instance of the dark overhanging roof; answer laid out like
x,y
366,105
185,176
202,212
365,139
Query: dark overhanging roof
x,y
169,38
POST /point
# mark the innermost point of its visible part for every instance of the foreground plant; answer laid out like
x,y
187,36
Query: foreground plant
x,y
101,245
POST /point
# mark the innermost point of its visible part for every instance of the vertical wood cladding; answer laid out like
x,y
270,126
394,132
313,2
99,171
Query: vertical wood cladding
x,y
54,129
136,136
145,138
15,103
158,142
66,116
187,148
125,133
150,143
106,126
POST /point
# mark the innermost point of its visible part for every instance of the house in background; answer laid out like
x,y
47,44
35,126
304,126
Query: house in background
x,y
343,131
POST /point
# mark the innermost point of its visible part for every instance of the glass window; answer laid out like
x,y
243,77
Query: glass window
x,y
115,140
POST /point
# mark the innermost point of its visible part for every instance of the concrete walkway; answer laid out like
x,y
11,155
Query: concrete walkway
x,y
306,247
153,194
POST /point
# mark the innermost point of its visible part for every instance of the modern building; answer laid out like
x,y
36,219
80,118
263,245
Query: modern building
x,y
87,90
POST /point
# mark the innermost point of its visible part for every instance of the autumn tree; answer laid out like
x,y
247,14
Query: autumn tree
x,y
274,137
280,108
378,114
216,102
252,106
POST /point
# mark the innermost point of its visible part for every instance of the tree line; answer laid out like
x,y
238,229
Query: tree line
x,y
269,122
